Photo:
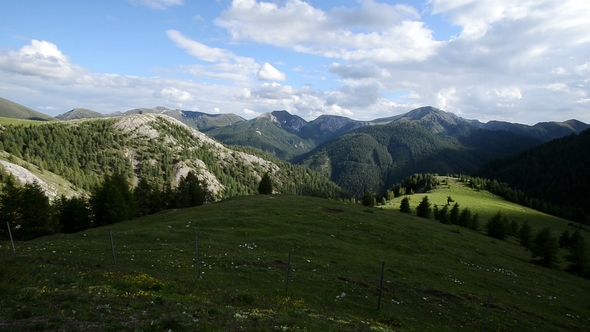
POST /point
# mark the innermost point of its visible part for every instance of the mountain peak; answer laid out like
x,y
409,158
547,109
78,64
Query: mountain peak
x,y
289,122
434,119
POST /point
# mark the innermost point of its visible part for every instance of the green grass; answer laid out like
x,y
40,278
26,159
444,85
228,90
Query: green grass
x,y
485,204
437,277
26,122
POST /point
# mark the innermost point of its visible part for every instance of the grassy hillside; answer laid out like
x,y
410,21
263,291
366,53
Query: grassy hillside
x,y
436,278
9,109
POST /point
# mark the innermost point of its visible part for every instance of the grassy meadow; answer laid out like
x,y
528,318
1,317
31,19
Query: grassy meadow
x,y
436,277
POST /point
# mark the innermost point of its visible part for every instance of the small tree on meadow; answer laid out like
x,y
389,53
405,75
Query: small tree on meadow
x,y
545,247
578,255
454,215
405,205
368,199
443,215
265,185
525,235
498,227
423,209
464,218
473,223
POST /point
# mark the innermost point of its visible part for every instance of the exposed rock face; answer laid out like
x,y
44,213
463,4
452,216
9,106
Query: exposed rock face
x,y
23,175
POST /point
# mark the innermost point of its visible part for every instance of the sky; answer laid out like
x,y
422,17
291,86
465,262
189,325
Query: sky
x,y
510,60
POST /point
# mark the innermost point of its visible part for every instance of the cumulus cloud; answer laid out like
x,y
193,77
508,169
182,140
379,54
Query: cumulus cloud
x,y
227,65
157,4
173,95
299,26
269,73
40,58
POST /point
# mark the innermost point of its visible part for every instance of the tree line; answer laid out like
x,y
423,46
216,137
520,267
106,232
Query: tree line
x,y
503,190
31,214
543,245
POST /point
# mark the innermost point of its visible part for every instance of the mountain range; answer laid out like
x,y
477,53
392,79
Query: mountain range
x,y
366,156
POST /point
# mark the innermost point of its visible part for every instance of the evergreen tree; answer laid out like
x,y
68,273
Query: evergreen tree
x,y
545,247
464,218
405,205
368,199
36,217
578,255
112,201
454,215
189,191
525,235
498,227
473,224
423,209
443,215
74,214
565,240
513,228
265,186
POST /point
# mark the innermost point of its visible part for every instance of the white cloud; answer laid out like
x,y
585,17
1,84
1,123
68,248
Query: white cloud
x,y
199,50
300,27
40,58
157,4
173,95
250,113
269,73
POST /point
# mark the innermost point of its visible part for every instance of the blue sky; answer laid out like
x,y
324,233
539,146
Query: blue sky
x,y
517,61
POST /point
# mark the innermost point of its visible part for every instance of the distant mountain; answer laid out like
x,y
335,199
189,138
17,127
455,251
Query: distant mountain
x,y
9,109
265,133
544,131
556,171
426,140
79,113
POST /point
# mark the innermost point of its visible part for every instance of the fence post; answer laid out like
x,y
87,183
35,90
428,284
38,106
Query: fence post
x,y
381,285
10,233
198,261
288,269
485,317
112,246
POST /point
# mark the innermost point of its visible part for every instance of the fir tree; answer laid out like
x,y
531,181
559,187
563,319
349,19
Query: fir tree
x,y
545,247
265,186
423,209
405,205
525,235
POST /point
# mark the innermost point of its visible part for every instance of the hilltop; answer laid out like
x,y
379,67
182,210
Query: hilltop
x,y
9,109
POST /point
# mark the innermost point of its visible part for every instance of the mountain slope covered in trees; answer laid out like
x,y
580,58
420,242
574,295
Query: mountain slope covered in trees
x,y
157,148
556,171
372,158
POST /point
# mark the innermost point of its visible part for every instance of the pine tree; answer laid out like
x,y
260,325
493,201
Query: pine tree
x,y
498,227
454,215
265,186
525,235
545,247
405,205
368,199
74,214
565,240
423,209
578,255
